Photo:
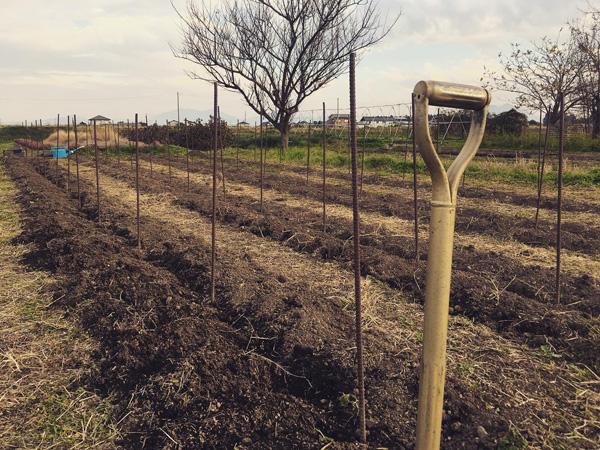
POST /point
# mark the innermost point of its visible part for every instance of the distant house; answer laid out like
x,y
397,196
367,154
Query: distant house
x,y
380,121
338,120
100,120
244,124
174,123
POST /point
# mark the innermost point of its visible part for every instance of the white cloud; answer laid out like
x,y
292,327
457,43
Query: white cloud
x,y
74,50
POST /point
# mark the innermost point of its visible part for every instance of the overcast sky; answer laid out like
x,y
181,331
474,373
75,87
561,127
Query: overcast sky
x,y
112,57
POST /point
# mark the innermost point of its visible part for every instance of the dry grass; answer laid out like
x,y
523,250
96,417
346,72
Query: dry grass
x,y
559,402
43,358
106,137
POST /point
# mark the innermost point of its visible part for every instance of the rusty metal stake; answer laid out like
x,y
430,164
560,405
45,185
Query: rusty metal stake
x,y
220,142
437,132
42,147
324,164
541,171
362,163
214,200
357,292
77,160
169,147
261,163
137,182
118,138
539,156
559,199
97,171
441,237
68,155
187,153
106,142
57,134
177,152
129,139
415,202
406,148
308,155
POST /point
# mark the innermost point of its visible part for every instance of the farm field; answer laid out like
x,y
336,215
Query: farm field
x,y
271,363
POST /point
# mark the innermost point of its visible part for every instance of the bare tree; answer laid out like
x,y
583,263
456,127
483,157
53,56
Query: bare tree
x,y
277,52
539,74
544,77
586,34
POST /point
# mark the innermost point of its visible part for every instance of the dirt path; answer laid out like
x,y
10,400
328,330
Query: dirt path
x,y
45,358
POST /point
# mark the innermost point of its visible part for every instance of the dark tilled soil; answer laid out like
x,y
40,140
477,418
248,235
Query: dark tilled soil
x,y
191,372
498,194
511,297
576,237
182,371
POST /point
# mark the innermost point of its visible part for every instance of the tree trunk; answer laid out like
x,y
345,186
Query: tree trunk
x,y
596,117
285,137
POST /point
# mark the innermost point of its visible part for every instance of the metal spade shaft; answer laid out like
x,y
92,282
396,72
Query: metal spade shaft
x,y
441,237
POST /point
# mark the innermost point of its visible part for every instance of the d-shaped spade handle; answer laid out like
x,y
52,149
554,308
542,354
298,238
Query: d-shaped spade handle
x,y
441,237
438,93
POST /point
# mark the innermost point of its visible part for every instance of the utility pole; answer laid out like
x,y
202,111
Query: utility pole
x,y
178,108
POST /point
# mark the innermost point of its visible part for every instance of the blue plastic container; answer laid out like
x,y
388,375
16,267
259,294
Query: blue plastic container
x,y
61,151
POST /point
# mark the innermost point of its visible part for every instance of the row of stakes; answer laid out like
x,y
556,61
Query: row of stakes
x,y
441,234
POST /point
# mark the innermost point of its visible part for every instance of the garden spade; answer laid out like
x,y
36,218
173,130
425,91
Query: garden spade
x,y
441,236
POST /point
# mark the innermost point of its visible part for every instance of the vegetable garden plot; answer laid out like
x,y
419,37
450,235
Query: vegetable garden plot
x,y
384,418
493,293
